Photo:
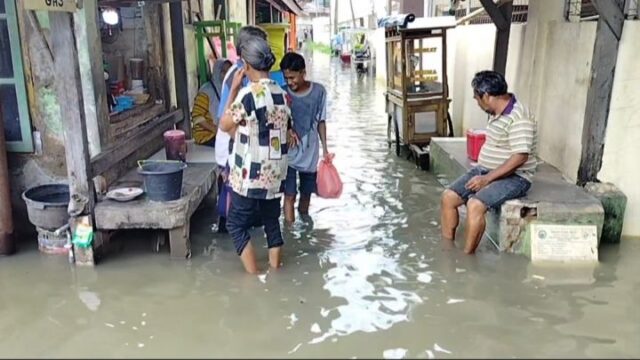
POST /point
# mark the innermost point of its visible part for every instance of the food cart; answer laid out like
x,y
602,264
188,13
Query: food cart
x,y
355,48
361,50
417,96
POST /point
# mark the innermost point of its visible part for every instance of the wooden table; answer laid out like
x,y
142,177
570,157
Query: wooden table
x,y
173,216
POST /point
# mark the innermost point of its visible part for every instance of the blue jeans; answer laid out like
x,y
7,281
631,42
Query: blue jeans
x,y
243,214
308,184
494,194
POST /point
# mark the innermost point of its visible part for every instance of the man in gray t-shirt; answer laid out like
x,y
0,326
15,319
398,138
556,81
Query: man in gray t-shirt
x,y
308,110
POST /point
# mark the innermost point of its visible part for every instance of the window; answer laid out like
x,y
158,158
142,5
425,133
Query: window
x,y
13,98
463,8
263,13
424,65
579,10
220,10
193,11
584,10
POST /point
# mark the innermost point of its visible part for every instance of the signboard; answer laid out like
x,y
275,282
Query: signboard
x,y
50,5
564,242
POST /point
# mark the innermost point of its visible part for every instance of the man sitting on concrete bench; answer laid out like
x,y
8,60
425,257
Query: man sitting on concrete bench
x,y
506,163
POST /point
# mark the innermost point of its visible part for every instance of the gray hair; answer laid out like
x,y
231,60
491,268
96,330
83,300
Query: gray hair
x,y
246,33
489,82
257,53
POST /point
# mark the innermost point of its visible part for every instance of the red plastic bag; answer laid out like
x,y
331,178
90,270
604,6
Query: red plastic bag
x,y
329,183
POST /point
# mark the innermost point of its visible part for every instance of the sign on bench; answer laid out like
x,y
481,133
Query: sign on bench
x,y
564,242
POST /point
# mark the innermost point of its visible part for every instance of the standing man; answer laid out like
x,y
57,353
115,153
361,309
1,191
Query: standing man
x,y
308,110
506,164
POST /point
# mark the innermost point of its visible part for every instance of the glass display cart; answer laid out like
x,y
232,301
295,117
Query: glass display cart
x,y
417,96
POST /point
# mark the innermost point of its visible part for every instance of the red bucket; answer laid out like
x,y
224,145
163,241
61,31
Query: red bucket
x,y
475,140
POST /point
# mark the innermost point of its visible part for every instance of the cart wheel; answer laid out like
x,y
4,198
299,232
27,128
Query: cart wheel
x,y
450,123
389,118
395,126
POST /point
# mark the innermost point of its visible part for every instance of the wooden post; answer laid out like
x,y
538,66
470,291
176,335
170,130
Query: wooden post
x,y
88,41
69,91
156,71
7,243
180,64
501,16
603,65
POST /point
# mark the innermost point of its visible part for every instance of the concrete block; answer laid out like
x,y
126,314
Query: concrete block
x,y
614,203
551,200
443,162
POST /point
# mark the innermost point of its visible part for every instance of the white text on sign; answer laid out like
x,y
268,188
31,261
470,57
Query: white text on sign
x,y
50,5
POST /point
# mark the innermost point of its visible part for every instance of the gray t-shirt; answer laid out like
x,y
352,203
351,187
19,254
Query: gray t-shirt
x,y
307,110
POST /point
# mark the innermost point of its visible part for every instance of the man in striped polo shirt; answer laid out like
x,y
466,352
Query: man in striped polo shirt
x,y
506,164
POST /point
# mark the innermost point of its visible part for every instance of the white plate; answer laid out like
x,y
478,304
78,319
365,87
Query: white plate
x,y
125,194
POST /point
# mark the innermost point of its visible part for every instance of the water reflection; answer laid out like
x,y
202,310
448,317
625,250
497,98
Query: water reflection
x,y
362,260
365,276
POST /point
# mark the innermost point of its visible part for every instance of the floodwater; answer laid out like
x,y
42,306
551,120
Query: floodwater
x,y
366,276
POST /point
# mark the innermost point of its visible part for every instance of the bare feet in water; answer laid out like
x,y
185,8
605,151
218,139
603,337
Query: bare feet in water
x,y
447,244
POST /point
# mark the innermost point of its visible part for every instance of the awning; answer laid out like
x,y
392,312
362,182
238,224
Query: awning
x,y
293,7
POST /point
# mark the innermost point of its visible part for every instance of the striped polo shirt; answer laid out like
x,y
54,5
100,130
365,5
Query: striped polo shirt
x,y
512,132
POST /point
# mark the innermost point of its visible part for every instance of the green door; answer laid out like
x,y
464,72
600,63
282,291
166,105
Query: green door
x,y
13,97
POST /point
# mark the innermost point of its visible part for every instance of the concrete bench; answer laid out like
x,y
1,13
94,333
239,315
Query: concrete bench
x,y
551,199
171,217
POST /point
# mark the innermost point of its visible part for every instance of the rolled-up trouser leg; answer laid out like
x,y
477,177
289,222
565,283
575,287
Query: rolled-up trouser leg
x,y
270,215
239,220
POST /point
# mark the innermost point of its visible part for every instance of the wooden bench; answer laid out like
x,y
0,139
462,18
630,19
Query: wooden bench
x,y
171,217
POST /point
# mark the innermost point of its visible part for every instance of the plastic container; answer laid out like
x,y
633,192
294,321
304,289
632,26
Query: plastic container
x,y
175,145
475,140
51,243
137,84
116,88
162,179
47,205
136,68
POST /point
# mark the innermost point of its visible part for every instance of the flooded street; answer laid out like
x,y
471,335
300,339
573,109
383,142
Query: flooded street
x,y
364,277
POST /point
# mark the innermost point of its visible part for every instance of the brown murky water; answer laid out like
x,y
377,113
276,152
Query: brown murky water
x,y
365,277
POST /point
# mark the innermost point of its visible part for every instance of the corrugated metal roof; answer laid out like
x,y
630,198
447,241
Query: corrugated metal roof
x,y
293,6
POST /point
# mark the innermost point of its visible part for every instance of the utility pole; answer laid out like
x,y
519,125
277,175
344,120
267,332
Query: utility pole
x,y
330,25
335,15
353,16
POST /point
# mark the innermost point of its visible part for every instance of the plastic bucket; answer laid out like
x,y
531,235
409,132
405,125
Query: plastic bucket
x,y
475,140
47,205
162,179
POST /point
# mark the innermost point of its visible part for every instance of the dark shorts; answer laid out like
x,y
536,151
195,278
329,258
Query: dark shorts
x,y
307,182
243,214
494,194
